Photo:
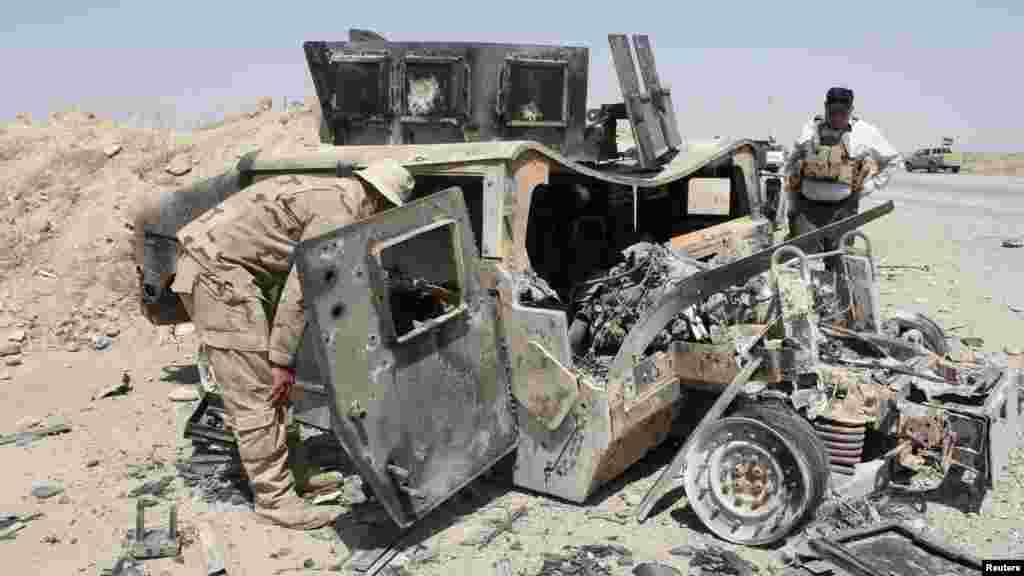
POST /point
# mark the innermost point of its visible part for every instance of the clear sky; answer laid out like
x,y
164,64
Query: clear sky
x,y
920,70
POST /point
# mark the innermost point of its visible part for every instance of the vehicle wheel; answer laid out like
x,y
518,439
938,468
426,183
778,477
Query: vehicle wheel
x,y
908,166
934,336
802,434
747,482
956,170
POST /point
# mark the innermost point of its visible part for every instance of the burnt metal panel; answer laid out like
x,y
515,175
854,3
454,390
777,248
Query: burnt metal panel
x,y
311,404
650,137
542,378
423,412
861,294
473,92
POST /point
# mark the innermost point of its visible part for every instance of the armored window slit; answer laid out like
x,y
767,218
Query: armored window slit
x,y
435,89
536,93
422,279
362,87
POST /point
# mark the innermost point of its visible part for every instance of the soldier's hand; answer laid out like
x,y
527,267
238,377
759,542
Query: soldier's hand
x,y
283,378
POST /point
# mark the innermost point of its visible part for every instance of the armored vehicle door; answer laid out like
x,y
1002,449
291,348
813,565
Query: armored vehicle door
x,y
408,350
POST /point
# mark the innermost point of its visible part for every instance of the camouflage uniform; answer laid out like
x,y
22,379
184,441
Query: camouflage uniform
x,y
829,171
826,163
256,232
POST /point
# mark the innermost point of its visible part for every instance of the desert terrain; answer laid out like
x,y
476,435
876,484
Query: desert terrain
x,y
70,331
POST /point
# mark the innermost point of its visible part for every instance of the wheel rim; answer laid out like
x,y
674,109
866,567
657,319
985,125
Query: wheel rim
x,y
746,482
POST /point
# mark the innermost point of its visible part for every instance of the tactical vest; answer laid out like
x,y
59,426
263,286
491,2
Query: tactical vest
x,y
828,159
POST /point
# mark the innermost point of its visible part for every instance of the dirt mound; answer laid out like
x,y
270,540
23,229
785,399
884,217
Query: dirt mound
x,y
67,190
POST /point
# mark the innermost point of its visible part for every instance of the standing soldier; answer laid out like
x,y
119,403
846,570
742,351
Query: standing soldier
x,y
837,160
251,234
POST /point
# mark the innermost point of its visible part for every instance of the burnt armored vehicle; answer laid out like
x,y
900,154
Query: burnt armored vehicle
x,y
568,285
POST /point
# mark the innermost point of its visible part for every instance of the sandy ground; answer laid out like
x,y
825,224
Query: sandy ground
x,y
119,442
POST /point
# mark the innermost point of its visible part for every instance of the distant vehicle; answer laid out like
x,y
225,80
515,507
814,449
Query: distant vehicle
x,y
934,159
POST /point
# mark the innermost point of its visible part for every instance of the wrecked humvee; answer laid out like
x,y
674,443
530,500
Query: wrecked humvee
x,y
550,294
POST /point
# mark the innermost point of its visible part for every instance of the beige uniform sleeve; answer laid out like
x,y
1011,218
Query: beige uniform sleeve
x,y
325,208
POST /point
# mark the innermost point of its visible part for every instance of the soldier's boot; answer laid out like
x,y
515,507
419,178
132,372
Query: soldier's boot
x,y
264,453
308,476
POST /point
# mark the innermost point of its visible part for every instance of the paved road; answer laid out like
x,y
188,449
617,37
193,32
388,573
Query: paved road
x,y
958,222
981,195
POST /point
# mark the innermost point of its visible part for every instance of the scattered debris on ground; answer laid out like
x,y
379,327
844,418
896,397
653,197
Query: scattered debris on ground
x,y
593,559
11,524
484,536
157,488
119,389
28,434
655,569
44,489
215,476
708,559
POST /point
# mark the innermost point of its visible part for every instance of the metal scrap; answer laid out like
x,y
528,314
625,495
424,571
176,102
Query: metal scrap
x,y
152,487
710,559
119,389
487,535
589,559
609,304
503,567
11,524
883,549
53,427
655,569
142,543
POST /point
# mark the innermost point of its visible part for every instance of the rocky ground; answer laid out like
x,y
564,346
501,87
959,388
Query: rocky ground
x,y
75,352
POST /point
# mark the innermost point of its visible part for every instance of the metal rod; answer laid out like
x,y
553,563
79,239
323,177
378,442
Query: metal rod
x,y
399,472
140,520
172,522
840,555
897,369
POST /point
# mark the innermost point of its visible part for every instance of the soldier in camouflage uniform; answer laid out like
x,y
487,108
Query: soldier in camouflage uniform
x,y
222,252
837,160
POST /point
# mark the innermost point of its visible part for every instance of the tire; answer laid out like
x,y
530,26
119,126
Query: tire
x,y
752,482
802,434
956,170
908,166
934,336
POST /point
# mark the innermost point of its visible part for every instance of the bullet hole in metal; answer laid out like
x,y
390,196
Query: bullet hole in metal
x,y
337,310
329,276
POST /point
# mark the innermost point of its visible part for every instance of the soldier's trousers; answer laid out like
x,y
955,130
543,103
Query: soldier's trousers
x,y
260,429
807,215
